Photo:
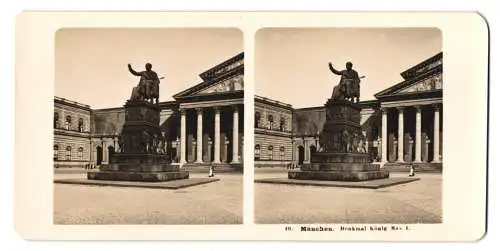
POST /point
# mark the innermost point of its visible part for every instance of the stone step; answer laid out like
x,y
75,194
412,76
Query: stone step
x,y
429,167
218,168
135,176
418,167
339,175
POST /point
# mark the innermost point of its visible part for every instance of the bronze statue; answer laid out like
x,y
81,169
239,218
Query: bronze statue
x,y
146,142
348,87
362,144
354,142
120,143
149,85
345,138
160,146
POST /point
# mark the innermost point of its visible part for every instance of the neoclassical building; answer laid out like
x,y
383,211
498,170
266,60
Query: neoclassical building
x,y
71,133
203,125
273,132
403,124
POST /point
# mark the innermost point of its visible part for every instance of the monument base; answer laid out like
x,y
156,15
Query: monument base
x,y
339,167
138,176
370,184
141,167
344,156
338,176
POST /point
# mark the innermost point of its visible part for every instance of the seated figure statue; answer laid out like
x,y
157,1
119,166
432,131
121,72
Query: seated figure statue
x,y
348,87
148,86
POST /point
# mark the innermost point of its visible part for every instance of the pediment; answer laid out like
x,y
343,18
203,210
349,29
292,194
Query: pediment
x,y
226,77
425,77
234,83
433,81
427,84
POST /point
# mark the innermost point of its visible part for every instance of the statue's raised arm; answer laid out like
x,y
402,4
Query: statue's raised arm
x,y
333,69
132,71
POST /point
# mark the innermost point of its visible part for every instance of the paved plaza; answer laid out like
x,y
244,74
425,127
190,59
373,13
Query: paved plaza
x,y
219,202
415,202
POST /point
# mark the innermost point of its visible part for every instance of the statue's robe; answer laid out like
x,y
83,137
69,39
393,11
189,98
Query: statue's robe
x,y
350,79
348,85
148,84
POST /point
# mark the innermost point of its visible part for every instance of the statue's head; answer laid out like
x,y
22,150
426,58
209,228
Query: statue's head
x,y
148,66
348,65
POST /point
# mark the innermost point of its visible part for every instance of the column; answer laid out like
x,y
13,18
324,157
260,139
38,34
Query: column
x,y
178,150
307,153
401,122
105,154
183,137
92,152
418,134
436,134
235,135
217,136
199,136
384,135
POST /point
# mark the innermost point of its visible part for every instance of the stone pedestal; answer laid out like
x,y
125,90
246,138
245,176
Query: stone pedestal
x,y
343,157
142,157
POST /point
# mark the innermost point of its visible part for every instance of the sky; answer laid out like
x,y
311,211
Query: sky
x,y
91,64
292,64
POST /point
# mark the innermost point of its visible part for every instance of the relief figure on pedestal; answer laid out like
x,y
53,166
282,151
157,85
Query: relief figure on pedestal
x,y
120,144
345,139
362,144
161,146
145,144
354,142
154,144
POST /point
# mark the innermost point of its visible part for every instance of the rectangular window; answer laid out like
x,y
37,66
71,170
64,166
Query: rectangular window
x,y
68,153
80,153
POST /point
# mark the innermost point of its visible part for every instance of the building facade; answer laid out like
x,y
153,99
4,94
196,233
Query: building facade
x,y
71,133
203,125
273,132
402,125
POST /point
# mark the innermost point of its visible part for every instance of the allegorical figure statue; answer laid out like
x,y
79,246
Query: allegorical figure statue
x,y
348,87
345,140
149,85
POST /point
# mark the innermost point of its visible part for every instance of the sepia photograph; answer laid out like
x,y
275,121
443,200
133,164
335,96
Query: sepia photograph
x,y
256,126
148,126
348,126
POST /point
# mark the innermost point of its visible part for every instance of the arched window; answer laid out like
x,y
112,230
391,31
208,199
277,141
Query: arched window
x,y
68,152
282,124
80,153
68,122
270,120
257,152
56,120
56,152
80,125
257,120
270,149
